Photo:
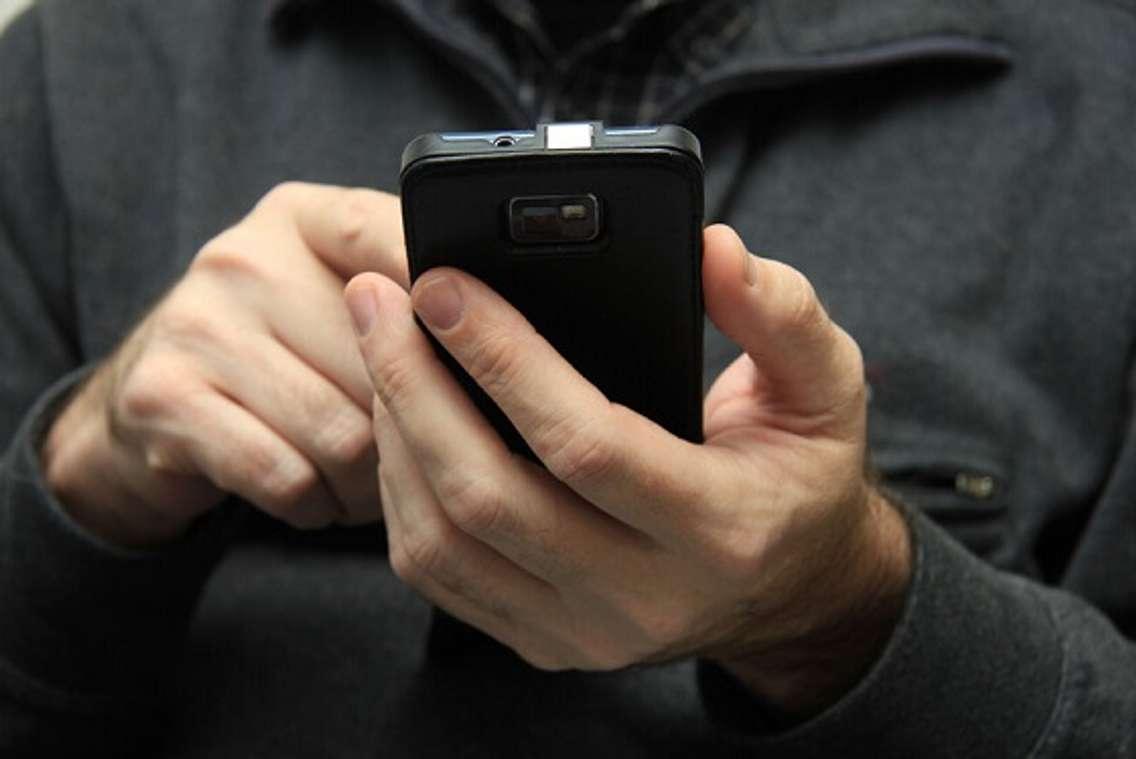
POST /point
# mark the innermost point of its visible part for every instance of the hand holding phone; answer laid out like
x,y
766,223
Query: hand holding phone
x,y
594,234
764,547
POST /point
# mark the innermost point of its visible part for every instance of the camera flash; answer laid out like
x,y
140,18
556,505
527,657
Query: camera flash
x,y
573,212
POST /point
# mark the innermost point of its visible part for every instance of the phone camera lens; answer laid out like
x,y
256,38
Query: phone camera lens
x,y
554,219
505,141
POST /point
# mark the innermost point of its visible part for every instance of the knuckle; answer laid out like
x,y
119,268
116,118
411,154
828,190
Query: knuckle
x,y
284,483
397,379
576,452
188,326
152,389
345,440
400,561
495,362
282,195
424,555
363,232
352,218
803,312
229,254
476,503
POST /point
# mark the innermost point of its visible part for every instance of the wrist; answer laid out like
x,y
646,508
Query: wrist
x,y
852,614
83,469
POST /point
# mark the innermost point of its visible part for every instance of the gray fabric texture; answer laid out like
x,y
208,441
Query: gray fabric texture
x,y
957,178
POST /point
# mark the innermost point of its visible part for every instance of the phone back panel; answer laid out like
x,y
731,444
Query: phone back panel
x,y
625,309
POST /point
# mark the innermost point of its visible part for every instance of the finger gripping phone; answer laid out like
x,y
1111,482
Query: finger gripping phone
x,y
594,234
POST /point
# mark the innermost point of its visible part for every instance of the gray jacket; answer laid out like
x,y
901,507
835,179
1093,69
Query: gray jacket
x,y
958,178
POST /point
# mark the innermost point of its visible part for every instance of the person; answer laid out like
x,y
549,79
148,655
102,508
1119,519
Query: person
x,y
236,478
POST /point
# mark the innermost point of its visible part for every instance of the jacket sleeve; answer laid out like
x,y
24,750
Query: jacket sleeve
x,y
88,633
984,663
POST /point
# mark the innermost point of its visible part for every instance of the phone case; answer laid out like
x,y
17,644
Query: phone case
x,y
624,305
624,308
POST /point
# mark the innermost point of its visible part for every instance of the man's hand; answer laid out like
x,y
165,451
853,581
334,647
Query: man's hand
x,y
764,548
244,379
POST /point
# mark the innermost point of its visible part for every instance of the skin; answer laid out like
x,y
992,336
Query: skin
x,y
244,379
766,548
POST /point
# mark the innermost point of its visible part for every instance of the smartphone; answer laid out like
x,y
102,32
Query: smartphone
x,y
593,233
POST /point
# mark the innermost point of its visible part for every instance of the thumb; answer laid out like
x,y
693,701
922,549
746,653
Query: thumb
x,y
808,366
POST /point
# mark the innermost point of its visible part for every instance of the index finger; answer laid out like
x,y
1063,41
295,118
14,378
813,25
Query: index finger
x,y
615,458
351,229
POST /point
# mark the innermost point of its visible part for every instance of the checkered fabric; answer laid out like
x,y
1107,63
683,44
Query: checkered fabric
x,y
624,74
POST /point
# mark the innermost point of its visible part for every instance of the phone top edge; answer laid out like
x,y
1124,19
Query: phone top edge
x,y
582,138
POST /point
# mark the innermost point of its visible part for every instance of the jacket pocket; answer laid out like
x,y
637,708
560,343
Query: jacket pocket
x,y
965,493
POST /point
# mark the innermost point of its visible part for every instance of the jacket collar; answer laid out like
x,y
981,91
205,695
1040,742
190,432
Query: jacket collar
x,y
819,27
800,27
803,41
790,41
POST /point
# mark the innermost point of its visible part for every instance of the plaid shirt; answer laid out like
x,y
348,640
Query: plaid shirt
x,y
652,55
625,74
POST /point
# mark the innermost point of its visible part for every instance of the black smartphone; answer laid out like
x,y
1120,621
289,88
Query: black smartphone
x,y
593,233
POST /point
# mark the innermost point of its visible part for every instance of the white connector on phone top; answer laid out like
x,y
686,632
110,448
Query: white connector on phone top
x,y
569,136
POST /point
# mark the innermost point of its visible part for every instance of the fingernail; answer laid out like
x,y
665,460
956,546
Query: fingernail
x,y
362,304
749,268
438,302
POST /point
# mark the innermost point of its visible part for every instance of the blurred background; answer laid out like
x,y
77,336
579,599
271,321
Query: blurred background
x,y
9,8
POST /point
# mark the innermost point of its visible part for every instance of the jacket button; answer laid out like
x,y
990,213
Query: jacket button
x,y
980,486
